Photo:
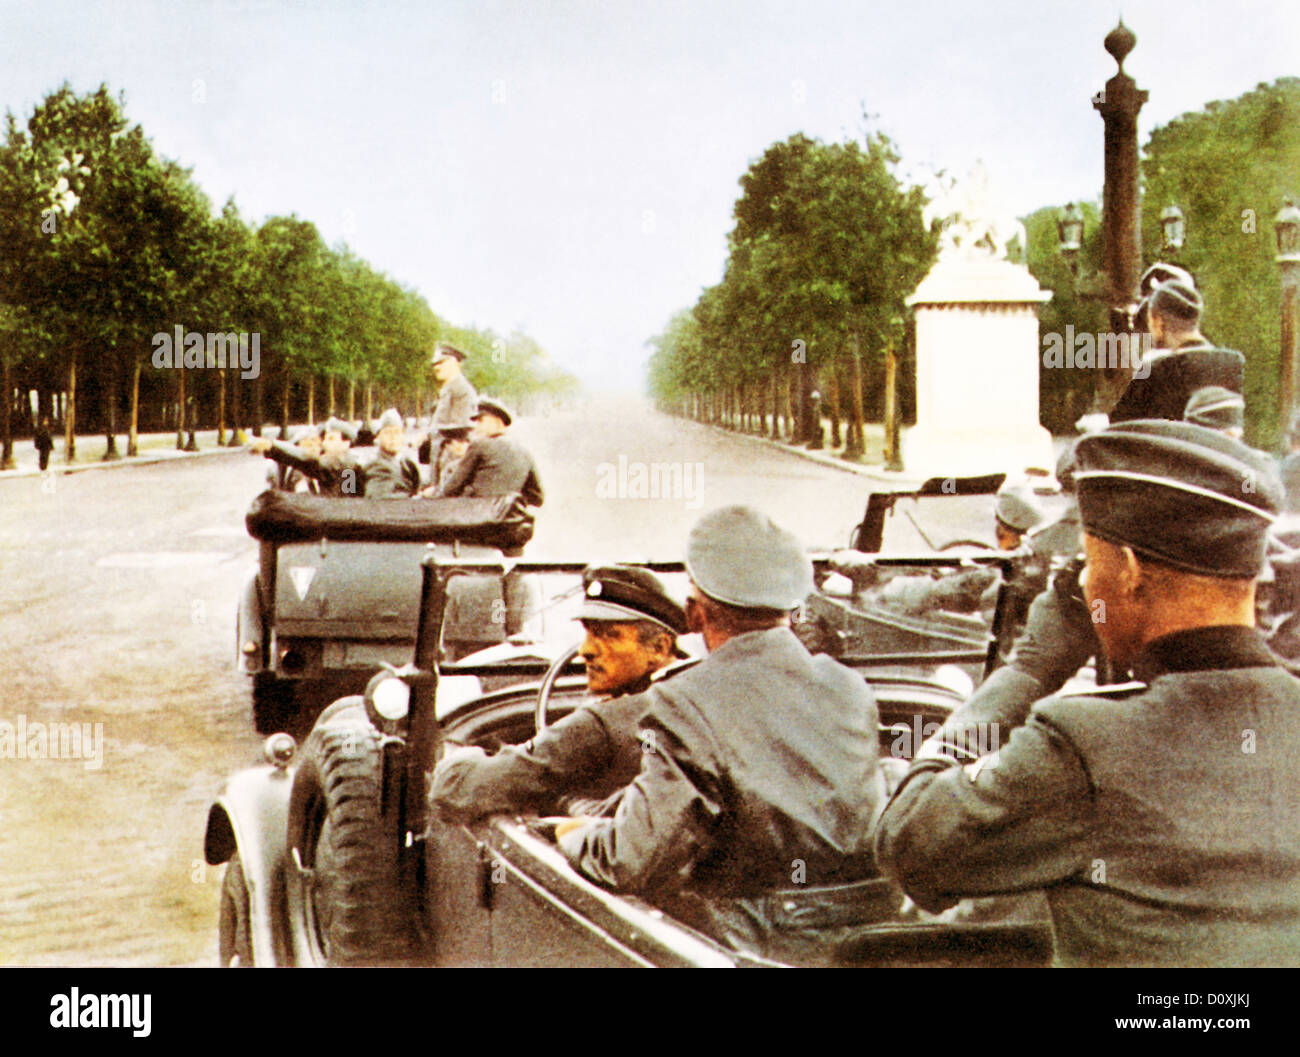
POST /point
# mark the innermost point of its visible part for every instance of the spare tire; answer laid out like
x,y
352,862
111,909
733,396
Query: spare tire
x,y
346,902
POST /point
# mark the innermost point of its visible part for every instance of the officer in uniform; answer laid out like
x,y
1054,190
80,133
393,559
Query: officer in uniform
x,y
631,629
760,779
492,464
393,473
1215,407
456,401
1163,819
1182,360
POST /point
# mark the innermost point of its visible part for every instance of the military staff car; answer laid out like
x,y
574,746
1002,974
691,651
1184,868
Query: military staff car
x,y
333,857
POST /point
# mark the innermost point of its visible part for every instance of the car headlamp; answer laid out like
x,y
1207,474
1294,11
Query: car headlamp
x,y
388,697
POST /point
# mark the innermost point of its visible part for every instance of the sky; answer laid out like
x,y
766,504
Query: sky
x,y
569,169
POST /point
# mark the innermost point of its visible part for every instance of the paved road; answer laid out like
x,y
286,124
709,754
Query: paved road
x,y
117,597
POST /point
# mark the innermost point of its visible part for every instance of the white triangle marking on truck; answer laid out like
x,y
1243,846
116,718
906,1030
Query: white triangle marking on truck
x,y
302,576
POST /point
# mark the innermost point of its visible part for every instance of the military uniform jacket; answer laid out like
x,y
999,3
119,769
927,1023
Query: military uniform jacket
x,y
495,466
592,752
759,770
334,475
392,476
1163,824
1174,377
457,402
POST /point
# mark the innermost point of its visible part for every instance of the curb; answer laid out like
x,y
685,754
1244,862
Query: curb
x,y
875,473
126,460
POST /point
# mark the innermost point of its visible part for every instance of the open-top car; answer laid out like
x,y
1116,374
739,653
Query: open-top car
x,y
334,857
336,589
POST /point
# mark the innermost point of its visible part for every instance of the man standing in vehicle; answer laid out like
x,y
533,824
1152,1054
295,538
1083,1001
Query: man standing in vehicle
x,y
751,816
631,627
456,402
1163,818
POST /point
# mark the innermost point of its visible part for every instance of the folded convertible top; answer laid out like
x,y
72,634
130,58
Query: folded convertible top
x,y
290,517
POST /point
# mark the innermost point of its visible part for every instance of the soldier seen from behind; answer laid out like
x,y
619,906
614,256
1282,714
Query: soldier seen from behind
x,y
1182,360
751,816
493,464
1161,819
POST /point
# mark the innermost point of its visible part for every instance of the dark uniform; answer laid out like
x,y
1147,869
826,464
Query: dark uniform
x,y
1163,821
495,466
589,754
760,775
392,476
1174,377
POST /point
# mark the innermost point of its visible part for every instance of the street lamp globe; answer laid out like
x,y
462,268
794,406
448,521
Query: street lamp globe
x,y
1287,225
1069,231
1174,226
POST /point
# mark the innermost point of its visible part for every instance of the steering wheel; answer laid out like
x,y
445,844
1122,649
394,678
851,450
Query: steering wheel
x,y
979,544
548,684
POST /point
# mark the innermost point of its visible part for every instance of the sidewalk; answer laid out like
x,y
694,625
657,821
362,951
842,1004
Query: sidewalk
x,y
871,465
154,448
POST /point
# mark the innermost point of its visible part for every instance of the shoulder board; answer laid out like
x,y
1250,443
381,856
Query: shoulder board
x,y
1110,690
674,669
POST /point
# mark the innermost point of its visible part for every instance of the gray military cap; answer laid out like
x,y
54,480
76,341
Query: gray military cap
x,y
488,406
1183,495
390,418
1016,509
338,425
1216,408
737,556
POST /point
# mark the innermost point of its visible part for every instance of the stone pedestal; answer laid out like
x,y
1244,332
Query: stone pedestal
x,y
977,361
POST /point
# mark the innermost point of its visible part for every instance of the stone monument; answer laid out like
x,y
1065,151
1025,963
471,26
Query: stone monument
x,y
977,349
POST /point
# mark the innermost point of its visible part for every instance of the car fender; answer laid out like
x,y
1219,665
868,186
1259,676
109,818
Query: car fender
x,y
249,627
251,818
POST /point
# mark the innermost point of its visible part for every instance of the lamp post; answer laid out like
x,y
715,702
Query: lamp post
x,y
1287,226
1119,104
1069,232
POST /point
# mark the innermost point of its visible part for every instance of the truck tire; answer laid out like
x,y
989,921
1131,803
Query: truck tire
x,y
233,940
347,906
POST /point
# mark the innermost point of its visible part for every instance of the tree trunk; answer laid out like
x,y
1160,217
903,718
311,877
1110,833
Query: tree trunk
x,y
221,409
774,399
236,410
70,408
331,395
284,405
370,392
133,437
110,397
352,399
259,407
311,400
6,418
833,403
180,408
857,443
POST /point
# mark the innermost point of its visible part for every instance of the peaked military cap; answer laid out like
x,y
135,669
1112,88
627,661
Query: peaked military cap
x,y
390,418
447,352
338,425
626,592
1173,297
1180,494
738,556
1015,508
1161,272
1215,407
488,406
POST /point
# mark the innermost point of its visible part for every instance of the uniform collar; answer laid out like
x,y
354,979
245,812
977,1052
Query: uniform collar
x,y
1203,649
